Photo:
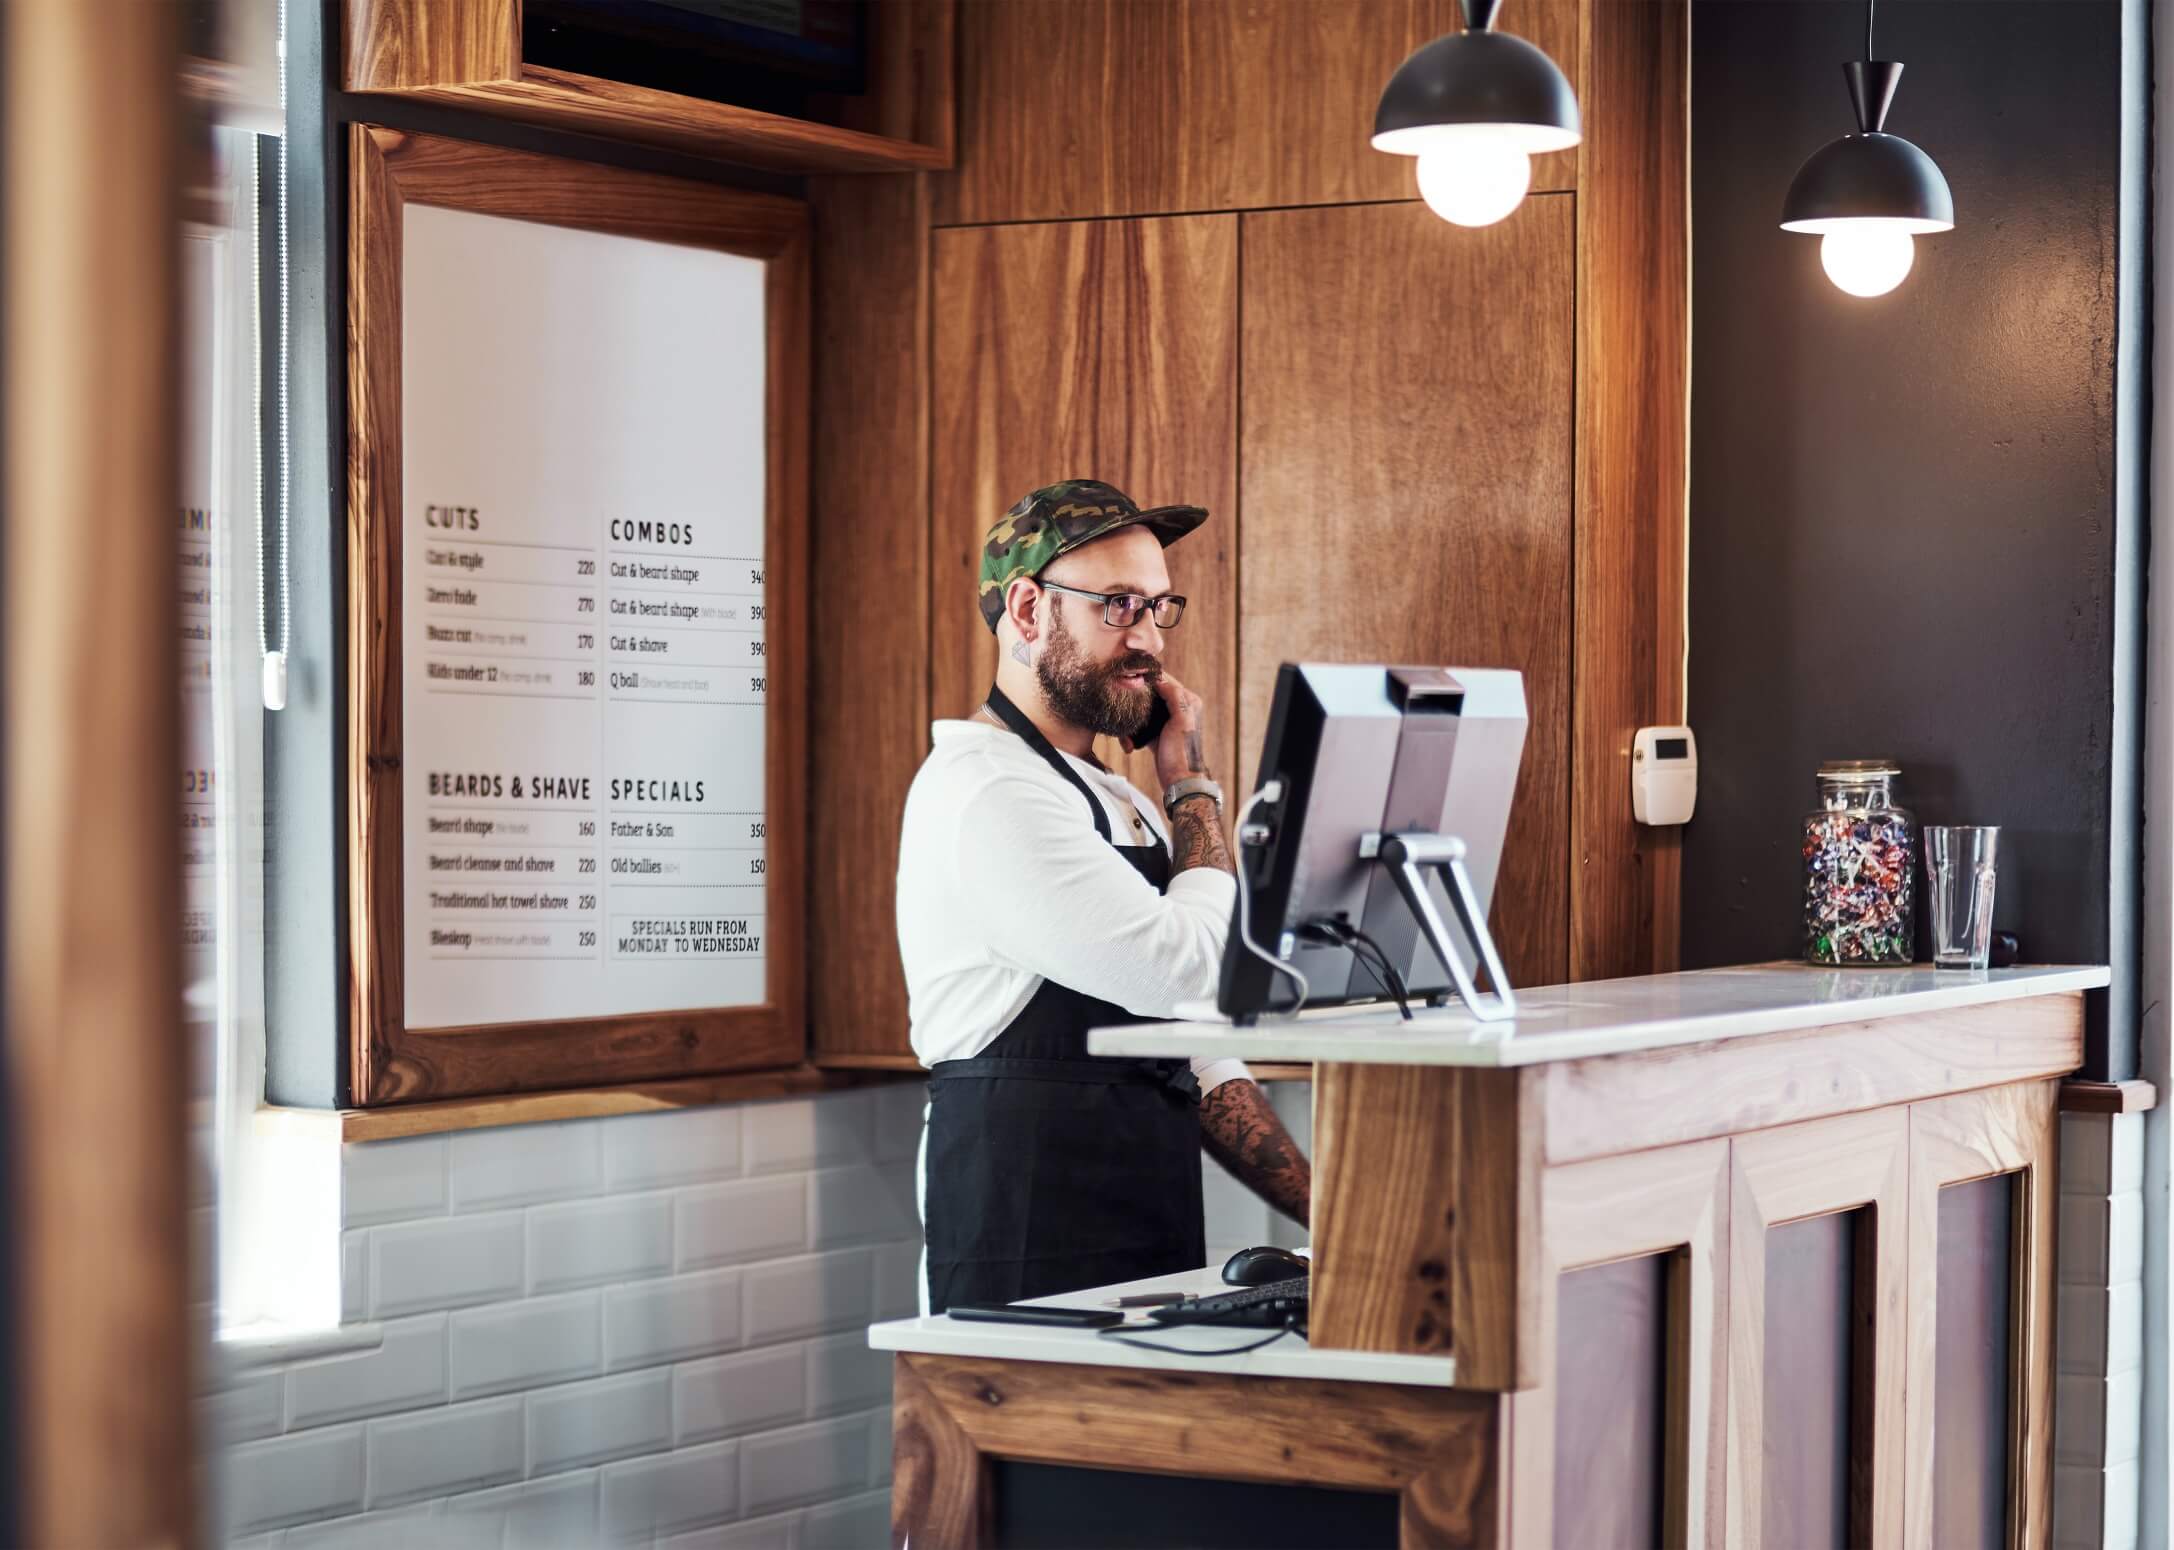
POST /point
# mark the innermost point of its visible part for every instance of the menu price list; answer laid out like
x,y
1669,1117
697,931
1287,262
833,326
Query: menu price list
x,y
632,681
584,647
557,882
573,622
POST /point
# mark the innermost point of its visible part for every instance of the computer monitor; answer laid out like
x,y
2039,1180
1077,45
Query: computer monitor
x,y
1362,752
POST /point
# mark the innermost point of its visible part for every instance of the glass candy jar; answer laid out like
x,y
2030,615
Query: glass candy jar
x,y
1860,860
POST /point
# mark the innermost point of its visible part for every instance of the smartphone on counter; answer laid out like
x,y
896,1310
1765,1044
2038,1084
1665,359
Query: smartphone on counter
x,y
1020,1313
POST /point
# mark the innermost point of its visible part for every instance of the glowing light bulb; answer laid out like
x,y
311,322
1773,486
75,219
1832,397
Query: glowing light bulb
x,y
1867,258
1475,182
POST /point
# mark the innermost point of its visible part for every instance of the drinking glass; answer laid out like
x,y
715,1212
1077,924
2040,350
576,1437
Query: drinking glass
x,y
1959,872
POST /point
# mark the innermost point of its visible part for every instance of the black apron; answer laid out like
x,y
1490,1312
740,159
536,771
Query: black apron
x,y
1049,1169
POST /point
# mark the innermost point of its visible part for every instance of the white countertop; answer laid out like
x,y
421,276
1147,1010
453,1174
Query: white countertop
x,y
1290,1357
1605,1017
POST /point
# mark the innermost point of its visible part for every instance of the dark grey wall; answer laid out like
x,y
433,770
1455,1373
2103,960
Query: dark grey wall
x,y
1902,534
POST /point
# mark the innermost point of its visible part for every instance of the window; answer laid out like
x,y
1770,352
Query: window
x,y
274,1235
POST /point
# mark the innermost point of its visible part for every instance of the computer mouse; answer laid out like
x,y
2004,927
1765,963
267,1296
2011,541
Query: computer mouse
x,y
1258,1267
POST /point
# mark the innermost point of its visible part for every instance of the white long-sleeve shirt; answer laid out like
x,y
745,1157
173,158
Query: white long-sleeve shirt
x,y
1003,882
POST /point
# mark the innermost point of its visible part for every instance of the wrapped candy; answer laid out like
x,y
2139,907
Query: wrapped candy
x,y
1860,859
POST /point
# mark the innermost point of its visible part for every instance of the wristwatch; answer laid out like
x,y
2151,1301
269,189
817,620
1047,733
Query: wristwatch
x,y
1191,786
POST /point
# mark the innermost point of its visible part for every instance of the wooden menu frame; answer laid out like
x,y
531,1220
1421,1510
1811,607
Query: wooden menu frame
x,y
391,1062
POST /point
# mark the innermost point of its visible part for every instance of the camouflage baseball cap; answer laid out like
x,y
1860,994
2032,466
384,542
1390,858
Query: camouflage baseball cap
x,y
1059,518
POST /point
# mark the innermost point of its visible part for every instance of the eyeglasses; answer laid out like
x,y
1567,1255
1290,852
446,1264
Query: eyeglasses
x,y
1122,610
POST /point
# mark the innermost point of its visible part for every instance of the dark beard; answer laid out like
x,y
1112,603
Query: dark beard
x,y
1089,696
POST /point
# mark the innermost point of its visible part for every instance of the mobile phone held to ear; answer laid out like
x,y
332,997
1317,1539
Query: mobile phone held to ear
x,y
1158,717
1020,1313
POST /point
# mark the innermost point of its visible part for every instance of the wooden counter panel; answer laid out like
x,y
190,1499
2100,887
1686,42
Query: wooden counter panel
x,y
1676,1203
1437,1447
1970,1398
1416,1252
1611,1403
1957,1140
1792,1176
1624,1103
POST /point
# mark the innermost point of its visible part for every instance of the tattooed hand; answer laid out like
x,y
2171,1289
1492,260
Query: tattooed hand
x,y
1179,752
1196,827
1246,1136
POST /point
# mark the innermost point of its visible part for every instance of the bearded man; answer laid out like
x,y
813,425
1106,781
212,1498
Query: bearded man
x,y
1041,894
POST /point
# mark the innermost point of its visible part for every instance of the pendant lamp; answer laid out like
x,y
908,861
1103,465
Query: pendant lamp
x,y
1475,107
1870,195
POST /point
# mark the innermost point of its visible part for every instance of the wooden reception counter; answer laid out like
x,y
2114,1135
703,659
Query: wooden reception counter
x,y
1729,1257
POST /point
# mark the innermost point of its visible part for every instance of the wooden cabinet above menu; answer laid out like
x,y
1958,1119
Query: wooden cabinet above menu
x,y
480,55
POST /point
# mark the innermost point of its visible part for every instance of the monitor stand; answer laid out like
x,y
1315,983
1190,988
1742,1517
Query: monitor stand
x,y
1408,856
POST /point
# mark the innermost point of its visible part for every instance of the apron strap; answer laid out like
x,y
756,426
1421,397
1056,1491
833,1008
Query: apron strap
x,y
1015,718
1175,1075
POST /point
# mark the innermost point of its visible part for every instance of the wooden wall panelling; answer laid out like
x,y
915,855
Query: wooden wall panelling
x,y
1633,437
1096,349
1157,106
1952,1141
868,681
392,1062
1406,479
96,1065
1780,1176
1624,1102
1673,1201
1438,1448
1416,1252
398,45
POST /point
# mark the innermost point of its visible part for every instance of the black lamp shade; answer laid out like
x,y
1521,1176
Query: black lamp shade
x,y
1869,177
1473,78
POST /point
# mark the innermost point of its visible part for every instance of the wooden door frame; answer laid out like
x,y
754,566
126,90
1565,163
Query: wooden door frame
x,y
1633,475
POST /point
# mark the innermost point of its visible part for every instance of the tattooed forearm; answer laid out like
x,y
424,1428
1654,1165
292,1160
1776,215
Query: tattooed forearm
x,y
1245,1135
1196,835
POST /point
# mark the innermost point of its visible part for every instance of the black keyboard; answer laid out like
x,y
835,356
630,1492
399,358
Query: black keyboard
x,y
1261,1307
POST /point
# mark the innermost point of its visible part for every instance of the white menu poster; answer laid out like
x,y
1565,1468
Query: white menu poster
x,y
583,673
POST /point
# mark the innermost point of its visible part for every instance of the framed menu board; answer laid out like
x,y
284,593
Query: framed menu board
x,y
577,584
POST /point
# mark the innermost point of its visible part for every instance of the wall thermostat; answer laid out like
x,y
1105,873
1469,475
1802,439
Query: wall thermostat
x,y
1664,775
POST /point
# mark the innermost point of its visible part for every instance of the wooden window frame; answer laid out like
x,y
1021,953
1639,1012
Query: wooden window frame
x,y
390,1061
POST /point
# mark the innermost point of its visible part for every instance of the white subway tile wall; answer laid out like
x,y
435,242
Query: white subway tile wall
x,y
2098,1331
595,1242
646,1330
